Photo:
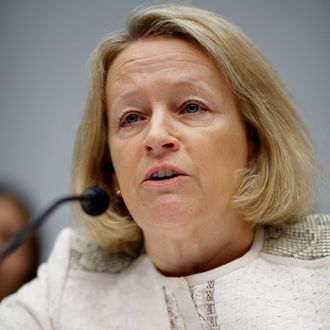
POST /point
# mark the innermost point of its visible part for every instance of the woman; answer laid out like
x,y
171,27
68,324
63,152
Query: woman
x,y
211,176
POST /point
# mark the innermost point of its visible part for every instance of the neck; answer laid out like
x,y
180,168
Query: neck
x,y
200,251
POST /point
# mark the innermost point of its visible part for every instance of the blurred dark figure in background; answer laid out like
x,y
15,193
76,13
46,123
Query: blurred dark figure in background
x,y
20,267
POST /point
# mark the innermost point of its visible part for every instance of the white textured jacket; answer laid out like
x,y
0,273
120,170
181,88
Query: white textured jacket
x,y
282,282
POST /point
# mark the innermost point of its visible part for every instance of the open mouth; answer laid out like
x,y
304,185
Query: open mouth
x,y
163,175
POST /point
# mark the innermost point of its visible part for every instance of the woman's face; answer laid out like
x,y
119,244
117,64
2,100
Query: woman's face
x,y
176,137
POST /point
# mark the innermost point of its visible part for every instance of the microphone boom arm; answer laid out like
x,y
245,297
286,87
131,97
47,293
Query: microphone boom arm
x,y
94,201
33,225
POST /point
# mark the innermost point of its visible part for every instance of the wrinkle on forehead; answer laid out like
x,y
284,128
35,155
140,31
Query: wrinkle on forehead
x,y
134,59
166,65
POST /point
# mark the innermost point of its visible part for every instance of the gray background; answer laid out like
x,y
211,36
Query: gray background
x,y
44,72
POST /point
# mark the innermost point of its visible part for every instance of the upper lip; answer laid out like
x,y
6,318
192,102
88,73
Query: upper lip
x,y
162,168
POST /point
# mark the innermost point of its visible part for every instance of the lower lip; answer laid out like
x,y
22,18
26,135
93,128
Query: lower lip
x,y
164,183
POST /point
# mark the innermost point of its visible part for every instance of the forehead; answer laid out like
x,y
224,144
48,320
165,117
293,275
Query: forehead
x,y
151,50
162,57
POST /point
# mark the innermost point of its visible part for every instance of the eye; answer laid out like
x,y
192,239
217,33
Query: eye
x,y
193,108
130,119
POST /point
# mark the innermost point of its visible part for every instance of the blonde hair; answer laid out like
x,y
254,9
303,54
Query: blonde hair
x,y
279,182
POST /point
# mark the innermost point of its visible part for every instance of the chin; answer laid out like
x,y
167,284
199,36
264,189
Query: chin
x,y
174,216
172,227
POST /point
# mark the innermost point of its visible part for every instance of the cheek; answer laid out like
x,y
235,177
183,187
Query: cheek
x,y
221,158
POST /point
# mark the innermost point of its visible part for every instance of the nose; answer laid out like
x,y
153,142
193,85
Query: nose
x,y
160,139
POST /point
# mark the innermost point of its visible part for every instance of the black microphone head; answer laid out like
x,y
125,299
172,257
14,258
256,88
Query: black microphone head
x,y
95,201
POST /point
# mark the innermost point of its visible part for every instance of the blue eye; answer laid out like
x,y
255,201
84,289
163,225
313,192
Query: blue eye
x,y
130,119
192,107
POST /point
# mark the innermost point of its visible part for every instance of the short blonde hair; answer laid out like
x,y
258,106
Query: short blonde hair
x,y
279,182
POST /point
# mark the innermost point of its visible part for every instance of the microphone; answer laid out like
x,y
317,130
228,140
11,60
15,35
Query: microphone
x,y
94,201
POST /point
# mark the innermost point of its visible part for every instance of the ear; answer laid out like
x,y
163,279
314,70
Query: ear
x,y
114,181
253,142
115,185
251,149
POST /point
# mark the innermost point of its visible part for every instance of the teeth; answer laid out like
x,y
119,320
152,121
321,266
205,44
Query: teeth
x,y
169,172
163,173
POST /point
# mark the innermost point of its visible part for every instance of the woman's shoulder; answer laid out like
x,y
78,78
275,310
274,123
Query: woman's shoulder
x,y
75,262
87,255
304,238
75,250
